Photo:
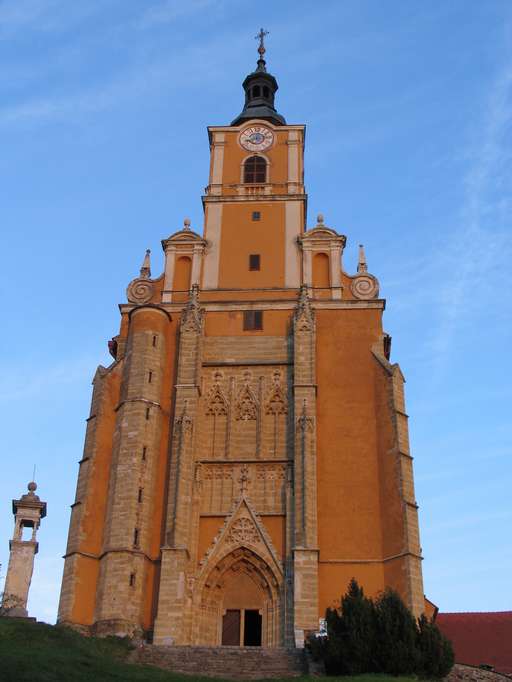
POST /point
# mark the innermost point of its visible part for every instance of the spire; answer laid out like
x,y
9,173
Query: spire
x,y
260,89
145,271
261,49
361,265
192,315
304,316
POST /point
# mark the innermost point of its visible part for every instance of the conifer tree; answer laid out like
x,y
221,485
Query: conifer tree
x,y
396,649
364,636
436,651
358,616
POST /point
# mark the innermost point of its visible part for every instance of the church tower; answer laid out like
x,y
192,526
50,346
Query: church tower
x,y
247,451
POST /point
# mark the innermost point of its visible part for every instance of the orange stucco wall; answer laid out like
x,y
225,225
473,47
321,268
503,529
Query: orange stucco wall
x,y
242,236
350,531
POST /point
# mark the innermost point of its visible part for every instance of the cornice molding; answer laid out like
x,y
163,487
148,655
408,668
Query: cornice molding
x,y
283,304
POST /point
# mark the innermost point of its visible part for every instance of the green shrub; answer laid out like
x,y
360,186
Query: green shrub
x,y
382,636
437,657
395,644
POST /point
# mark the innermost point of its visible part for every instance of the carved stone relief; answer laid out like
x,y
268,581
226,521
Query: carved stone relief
x,y
243,530
276,399
216,402
246,407
243,414
263,482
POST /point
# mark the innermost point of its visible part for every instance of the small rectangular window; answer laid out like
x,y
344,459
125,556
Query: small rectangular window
x,y
154,341
136,537
254,261
144,449
132,579
150,376
253,320
147,412
256,215
140,495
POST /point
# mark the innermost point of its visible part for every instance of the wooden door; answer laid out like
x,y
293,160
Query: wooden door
x,y
231,628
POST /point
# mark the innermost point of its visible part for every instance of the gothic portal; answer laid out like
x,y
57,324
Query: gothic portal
x,y
247,451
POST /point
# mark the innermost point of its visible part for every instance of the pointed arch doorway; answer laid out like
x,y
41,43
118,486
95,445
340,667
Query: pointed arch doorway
x,y
242,611
241,602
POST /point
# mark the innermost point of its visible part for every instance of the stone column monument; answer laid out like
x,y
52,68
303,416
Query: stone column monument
x,y
28,512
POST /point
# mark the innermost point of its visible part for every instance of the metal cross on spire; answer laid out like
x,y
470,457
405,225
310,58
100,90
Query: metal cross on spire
x,y
261,37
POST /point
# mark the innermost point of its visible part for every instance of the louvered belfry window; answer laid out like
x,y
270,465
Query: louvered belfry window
x,y
255,170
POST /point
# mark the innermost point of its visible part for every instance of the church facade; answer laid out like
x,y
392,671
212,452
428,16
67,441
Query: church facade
x,y
247,451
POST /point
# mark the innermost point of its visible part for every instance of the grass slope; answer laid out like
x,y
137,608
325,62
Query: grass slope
x,y
35,652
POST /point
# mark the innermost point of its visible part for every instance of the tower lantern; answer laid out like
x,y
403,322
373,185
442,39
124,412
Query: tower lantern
x,y
260,90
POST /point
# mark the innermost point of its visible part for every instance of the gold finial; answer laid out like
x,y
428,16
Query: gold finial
x,y
261,37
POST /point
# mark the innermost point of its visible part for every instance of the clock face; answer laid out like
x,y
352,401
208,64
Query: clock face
x,y
256,138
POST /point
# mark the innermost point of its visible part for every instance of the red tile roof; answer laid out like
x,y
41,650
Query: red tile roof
x,y
480,638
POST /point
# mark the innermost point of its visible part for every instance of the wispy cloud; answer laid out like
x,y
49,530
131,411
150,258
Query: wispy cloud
x,y
473,257
17,17
469,521
31,382
180,69
170,10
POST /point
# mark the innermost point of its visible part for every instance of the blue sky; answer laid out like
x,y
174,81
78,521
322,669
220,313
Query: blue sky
x,y
103,113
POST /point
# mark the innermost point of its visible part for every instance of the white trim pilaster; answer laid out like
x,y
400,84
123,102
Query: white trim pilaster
x,y
170,261
292,251
212,256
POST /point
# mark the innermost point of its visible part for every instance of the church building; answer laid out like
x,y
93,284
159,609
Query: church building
x,y
247,450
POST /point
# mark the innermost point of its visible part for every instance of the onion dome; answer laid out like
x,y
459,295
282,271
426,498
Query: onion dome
x,y
260,89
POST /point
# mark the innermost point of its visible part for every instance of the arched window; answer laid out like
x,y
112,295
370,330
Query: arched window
x,y
256,91
255,170
265,91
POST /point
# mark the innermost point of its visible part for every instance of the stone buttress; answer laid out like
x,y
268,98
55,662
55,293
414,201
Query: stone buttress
x,y
127,556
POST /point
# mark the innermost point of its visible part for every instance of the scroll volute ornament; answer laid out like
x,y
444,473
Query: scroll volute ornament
x,y
141,289
365,286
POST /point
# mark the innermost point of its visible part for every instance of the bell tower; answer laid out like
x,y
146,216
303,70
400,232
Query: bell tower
x,y
255,203
28,512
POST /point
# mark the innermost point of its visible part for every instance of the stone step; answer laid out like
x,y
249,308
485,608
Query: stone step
x,y
234,663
